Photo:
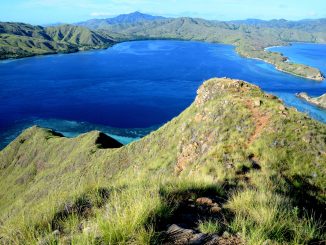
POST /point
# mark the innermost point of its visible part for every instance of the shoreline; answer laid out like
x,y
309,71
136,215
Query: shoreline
x,y
5,60
109,46
293,74
276,46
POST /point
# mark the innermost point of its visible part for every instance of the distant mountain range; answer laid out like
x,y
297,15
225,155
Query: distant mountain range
x,y
136,17
120,19
312,24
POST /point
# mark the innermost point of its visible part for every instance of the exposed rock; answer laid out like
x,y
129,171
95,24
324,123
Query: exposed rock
x,y
216,209
177,235
282,108
188,154
204,201
180,236
318,101
257,103
271,96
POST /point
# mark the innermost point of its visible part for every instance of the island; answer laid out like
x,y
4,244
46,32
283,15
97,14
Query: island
x,y
318,101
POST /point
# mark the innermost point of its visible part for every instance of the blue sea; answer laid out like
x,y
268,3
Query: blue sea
x,y
132,88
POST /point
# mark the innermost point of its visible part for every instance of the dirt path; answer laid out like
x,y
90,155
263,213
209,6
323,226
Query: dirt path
x,y
260,119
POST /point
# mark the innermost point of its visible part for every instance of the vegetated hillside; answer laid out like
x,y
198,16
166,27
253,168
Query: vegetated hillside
x,y
77,35
22,40
120,19
250,40
236,167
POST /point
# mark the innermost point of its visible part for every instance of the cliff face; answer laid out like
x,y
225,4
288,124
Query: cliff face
x,y
236,166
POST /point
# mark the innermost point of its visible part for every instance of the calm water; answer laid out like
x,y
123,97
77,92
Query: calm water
x,y
305,53
133,87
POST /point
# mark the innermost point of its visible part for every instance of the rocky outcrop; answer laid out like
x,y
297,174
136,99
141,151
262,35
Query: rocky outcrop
x,y
318,101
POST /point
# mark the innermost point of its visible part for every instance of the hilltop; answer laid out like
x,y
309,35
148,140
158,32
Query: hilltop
x,y
235,167
22,40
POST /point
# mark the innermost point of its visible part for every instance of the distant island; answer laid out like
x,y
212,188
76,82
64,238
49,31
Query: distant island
x,y
318,101
250,37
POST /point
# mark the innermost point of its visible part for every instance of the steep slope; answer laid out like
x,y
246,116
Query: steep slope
x,y
22,40
236,167
78,36
22,29
250,40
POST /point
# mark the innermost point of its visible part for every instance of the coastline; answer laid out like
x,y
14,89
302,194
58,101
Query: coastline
x,y
55,53
277,68
237,51
320,76
276,46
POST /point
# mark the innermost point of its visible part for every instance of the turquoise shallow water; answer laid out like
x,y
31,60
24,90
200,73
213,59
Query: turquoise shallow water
x,y
134,87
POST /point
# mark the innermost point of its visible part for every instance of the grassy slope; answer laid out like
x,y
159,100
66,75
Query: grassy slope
x,y
249,40
87,194
22,40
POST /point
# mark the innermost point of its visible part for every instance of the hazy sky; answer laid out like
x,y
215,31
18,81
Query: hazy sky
x,y
52,11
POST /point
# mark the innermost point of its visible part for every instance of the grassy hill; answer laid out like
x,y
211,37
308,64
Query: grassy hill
x,y
250,39
236,167
22,40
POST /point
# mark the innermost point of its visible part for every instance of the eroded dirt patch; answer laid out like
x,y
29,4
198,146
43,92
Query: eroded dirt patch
x,y
260,119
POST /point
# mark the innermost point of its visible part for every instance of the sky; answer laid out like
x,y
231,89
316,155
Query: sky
x,y
70,11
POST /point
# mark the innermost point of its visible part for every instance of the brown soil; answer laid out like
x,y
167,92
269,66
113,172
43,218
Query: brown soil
x,y
261,120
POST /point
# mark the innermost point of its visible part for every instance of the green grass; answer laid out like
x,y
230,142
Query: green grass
x,y
22,40
210,227
126,195
263,215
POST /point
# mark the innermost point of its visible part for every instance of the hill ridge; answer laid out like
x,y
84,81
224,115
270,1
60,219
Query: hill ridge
x,y
196,176
22,40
